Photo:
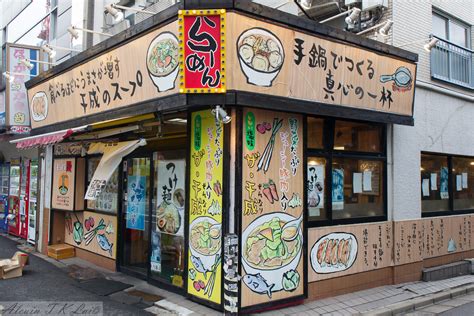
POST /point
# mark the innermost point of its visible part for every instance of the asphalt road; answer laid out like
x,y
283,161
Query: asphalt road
x,y
463,310
42,281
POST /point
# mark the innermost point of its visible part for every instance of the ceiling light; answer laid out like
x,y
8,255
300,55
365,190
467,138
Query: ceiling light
x,y
432,43
386,28
221,114
306,4
117,14
352,18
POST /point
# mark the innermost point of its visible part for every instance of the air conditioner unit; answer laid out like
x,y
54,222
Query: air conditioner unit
x,y
321,9
368,5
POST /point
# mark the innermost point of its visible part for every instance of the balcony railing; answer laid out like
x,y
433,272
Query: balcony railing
x,y
452,63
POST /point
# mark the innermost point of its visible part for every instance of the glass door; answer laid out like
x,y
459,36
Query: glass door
x,y
135,215
14,198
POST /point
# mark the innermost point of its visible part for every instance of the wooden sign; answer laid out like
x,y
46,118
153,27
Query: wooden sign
x,y
202,47
272,207
205,207
274,60
140,70
93,232
68,184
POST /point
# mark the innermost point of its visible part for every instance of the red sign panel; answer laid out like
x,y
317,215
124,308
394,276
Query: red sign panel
x,y
202,51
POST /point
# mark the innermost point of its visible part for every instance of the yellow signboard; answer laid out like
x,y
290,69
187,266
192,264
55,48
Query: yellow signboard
x,y
205,204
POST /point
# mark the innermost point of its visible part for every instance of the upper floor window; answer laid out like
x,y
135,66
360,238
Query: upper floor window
x,y
451,30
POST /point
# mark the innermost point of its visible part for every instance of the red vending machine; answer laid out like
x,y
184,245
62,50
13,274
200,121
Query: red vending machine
x,y
13,216
24,198
32,201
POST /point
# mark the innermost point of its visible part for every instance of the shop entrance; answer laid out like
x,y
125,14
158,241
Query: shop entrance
x,y
135,218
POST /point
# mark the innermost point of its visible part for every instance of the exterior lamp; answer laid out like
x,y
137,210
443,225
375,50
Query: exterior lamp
x,y
352,18
29,65
117,14
73,30
49,50
306,4
386,28
221,114
9,77
432,43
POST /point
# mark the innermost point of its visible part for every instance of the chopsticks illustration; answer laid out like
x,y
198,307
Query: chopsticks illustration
x,y
264,161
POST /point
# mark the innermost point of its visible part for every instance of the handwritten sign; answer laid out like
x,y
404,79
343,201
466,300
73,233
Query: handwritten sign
x,y
202,36
64,172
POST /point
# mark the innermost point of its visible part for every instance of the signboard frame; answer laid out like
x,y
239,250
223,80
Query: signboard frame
x,y
78,184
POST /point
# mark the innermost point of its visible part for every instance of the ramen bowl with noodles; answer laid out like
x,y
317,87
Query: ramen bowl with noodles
x,y
39,106
162,61
261,56
265,250
205,240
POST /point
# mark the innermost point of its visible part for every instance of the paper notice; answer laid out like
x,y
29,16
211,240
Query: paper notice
x,y
464,180
357,182
434,181
425,186
367,181
458,182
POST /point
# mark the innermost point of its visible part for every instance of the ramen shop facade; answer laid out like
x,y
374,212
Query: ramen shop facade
x,y
206,144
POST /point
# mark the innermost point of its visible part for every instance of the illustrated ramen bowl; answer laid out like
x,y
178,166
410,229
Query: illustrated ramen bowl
x,y
39,106
261,56
273,272
205,240
162,61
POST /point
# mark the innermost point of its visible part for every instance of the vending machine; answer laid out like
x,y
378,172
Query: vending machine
x,y
24,199
4,187
13,216
32,201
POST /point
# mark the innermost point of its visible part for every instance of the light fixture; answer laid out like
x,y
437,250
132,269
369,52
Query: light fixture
x,y
306,4
338,15
386,28
376,26
51,50
352,18
28,63
117,14
221,114
9,77
73,31
432,43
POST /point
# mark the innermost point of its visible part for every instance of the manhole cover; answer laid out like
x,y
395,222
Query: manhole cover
x,y
148,297
81,273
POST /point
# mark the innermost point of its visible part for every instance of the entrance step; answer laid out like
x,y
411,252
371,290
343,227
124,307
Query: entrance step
x,y
446,271
61,251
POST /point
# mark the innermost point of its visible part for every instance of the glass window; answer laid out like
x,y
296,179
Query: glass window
x,y
316,192
457,34
315,132
352,136
108,198
463,183
434,183
357,188
439,26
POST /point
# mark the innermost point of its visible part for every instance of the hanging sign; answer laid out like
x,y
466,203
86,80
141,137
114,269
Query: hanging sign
x,y
205,203
202,36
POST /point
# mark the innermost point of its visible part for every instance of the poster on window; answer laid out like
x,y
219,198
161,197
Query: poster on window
x,y
443,187
315,189
136,202
205,207
63,184
171,196
338,189
155,258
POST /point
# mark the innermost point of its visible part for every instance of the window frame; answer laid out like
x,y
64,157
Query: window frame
x,y
450,19
329,153
451,210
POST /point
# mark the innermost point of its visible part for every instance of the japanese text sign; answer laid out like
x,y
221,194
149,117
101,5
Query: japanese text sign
x,y
202,47
64,173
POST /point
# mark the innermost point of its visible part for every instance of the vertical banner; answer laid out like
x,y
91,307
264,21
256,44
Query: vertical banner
x,y
64,174
18,115
202,38
272,207
136,204
205,203
2,109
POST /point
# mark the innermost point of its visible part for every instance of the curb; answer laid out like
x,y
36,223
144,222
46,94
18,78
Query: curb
x,y
421,301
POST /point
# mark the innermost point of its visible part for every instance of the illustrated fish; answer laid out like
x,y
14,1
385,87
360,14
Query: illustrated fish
x,y
197,263
104,243
258,284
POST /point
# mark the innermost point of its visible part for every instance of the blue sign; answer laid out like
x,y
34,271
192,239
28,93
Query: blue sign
x,y
136,202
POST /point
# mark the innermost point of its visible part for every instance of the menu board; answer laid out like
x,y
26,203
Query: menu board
x,y
205,207
63,183
272,207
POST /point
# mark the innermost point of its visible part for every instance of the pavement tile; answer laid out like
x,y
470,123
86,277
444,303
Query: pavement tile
x,y
453,302
437,309
469,297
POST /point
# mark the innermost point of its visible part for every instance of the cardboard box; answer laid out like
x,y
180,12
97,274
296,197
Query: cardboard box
x,y
12,268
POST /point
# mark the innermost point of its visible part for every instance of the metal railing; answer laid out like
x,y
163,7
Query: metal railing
x,y
452,63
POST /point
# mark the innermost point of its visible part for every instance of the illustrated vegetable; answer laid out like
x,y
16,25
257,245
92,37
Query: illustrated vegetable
x,y
88,237
267,193
78,232
273,190
266,158
290,280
